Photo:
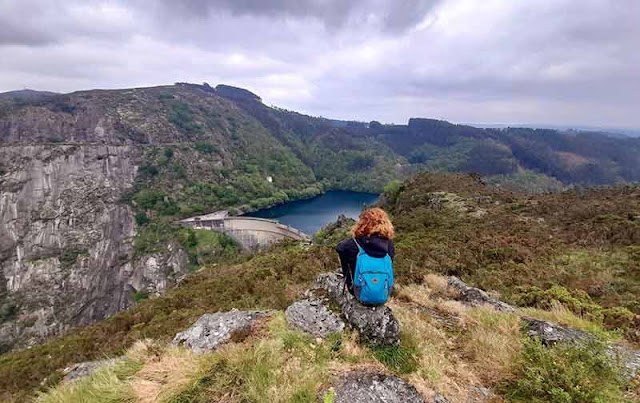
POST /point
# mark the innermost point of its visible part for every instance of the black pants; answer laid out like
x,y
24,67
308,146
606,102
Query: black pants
x,y
347,272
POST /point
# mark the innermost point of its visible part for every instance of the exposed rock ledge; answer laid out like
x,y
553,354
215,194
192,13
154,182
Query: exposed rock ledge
x,y
375,325
374,387
214,329
84,369
547,332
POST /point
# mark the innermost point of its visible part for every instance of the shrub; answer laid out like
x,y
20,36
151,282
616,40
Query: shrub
x,y
140,295
147,199
391,191
147,171
618,318
205,148
141,219
566,373
578,301
8,312
183,118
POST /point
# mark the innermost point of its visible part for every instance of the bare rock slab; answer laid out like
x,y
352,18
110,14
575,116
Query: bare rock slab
x,y
550,333
475,296
375,325
84,369
374,387
314,317
214,329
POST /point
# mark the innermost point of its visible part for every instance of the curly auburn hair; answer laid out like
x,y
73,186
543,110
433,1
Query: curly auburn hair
x,y
374,221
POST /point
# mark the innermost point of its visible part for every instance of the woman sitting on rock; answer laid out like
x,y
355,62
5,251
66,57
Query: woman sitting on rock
x,y
366,258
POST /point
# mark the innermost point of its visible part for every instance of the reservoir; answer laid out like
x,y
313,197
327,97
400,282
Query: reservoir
x,y
312,214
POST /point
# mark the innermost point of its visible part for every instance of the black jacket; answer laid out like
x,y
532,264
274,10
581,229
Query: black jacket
x,y
375,246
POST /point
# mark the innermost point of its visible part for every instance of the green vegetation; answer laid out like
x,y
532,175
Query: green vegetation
x,y
8,311
140,295
206,148
527,181
566,373
268,281
69,256
183,118
396,358
141,218
577,301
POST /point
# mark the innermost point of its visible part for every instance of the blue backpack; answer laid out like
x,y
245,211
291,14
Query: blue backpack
x,y
372,278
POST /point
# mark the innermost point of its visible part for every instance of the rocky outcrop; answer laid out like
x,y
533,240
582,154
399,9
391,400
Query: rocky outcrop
x,y
374,387
475,296
375,325
212,330
551,333
84,369
547,332
236,94
314,317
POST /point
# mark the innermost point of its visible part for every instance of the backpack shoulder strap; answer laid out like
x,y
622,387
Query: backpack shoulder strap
x,y
358,245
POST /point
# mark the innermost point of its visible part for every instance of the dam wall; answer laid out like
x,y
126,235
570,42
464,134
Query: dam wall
x,y
252,232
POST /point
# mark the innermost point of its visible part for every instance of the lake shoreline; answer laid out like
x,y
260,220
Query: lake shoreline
x,y
312,214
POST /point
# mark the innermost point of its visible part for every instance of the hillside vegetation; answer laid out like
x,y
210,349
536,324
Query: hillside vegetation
x,y
571,258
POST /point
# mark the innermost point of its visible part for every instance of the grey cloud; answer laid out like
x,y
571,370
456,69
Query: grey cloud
x,y
571,60
41,23
394,16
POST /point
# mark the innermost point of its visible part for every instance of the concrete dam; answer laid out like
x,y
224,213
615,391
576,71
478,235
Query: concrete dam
x,y
252,232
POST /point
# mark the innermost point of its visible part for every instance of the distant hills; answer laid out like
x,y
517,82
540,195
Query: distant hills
x,y
25,94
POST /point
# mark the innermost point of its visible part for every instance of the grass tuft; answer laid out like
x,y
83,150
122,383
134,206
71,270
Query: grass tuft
x,y
566,373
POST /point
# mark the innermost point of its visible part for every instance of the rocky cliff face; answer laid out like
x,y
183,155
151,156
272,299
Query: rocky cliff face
x,y
66,239
65,236
76,169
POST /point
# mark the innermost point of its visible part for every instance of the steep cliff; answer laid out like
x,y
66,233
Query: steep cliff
x,y
65,236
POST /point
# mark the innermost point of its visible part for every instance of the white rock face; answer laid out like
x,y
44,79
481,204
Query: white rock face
x,y
65,239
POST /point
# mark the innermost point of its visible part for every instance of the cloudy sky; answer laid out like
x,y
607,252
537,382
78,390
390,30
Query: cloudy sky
x,y
565,62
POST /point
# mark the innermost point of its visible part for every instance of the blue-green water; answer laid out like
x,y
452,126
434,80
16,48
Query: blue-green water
x,y
311,215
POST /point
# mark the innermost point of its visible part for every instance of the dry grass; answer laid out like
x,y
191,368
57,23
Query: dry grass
x,y
104,386
432,288
563,316
164,378
457,349
492,341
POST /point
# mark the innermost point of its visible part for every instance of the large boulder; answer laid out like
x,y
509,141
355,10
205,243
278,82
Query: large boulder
x,y
314,317
374,387
475,296
375,325
213,329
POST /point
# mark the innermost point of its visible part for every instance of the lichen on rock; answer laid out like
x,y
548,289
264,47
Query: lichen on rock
x,y
374,387
314,317
375,325
213,329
